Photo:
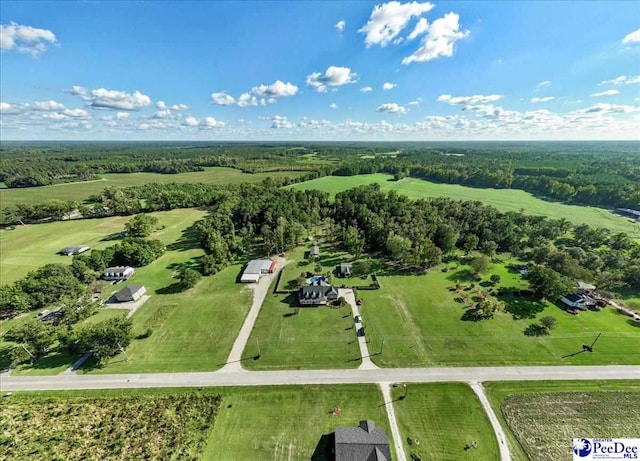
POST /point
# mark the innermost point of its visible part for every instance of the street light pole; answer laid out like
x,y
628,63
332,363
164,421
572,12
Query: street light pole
x,y
381,346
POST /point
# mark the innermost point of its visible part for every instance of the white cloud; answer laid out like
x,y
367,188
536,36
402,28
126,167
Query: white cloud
x,y
333,76
111,99
622,80
389,19
25,39
48,105
340,25
246,100
210,122
605,93
632,37
415,102
421,27
392,108
545,99
602,108
163,106
76,113
545,83
191,121
439,40
333,105
366,89
11,109
222,99
278,121
275,90
122,115
475,99
388,86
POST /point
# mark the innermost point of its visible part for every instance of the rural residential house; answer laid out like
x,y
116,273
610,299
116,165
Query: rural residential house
x,y
317,295
578,301
130,293
73,250
256,268
345,270
118,273
363,443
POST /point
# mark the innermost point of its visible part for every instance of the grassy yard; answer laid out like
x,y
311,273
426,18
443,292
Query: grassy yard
x,y
444,418
422,325
82,190
28,247
502,199
542,418
152,426
289,423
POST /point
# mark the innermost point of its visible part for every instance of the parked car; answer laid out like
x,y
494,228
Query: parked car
x,y
361,331
358,319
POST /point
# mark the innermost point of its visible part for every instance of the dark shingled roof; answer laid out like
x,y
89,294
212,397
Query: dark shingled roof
x,y
574,298
363,443
128,291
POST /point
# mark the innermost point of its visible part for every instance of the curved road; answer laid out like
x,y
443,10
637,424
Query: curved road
x,y
264,378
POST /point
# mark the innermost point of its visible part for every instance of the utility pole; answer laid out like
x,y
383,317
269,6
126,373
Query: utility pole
x,y
259,354
382,345
124,352
33,359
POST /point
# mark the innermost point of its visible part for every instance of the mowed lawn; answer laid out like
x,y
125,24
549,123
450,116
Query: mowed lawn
x,y
422,325
289,423
82,190
541,418
503,199
26,248
445,418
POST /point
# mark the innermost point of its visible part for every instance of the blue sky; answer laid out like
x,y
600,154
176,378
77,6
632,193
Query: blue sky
x,y
320,70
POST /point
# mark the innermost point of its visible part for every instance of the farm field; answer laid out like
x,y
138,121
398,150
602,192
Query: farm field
x,y
289,423
26,248
444,418
502,199
542,418
100,426
422,325
82,190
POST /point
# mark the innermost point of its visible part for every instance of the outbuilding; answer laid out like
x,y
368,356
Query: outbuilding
x,y
314,251
118,273
74,250
256,268
130,293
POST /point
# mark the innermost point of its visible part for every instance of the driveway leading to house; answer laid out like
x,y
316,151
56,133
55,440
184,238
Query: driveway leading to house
x,y
131,306
260,290
366,364
393,423
501,437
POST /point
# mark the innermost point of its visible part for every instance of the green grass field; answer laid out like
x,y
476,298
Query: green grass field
x,y
502,199
26,248
548,415
289,423
422,325
445,418
82,190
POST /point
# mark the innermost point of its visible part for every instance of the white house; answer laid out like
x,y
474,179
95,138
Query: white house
x,y
118,273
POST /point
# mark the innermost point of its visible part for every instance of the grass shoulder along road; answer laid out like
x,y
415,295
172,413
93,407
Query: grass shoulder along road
x,y
542,418
443,421
503,199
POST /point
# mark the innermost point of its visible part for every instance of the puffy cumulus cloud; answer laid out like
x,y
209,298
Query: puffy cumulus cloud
x,y
389,19
122,115
632,37
76,113
278,121
602,108
439,39
191,121
340,25
605,93
210,122
333,77
622,80
388,86
366,89
475,99
25,39
163,106
222,99
246,100
544,83
7,108
277,89
166,113
333,105
421,28
102,98
392,108
545,99
50,105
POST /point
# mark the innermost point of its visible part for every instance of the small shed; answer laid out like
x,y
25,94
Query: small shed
x,y
130,293
345,270
118,273
73,250
314,251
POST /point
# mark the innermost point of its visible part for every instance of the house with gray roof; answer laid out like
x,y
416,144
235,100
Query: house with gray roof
x,y
73,250
366,442
317,295
345,269
314,251
130,293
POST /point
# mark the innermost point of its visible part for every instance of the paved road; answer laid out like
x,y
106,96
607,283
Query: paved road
x,y
257,378
497,428
366,364
391,416
260,291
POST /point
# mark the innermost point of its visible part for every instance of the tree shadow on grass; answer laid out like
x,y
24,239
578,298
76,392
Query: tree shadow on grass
x,y
172,289
522,307
291,300
54,359
633,323
5,358
323,451
464,275
187,241
536,330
